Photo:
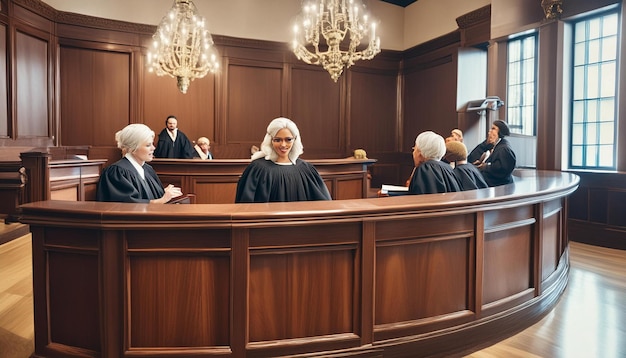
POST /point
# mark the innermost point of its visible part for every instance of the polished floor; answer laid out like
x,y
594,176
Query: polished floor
x,y
588,322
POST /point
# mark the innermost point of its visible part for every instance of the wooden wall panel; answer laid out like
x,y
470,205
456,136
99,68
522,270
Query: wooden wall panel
x,y
96,95
374,119
4,90
316,103
194,110
507,270
254,99
430,99
32,92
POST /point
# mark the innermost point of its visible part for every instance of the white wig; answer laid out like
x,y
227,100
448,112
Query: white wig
x,y
133,136
267,150
431,145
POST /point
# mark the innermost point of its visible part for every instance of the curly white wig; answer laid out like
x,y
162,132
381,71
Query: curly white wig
x,y
267,150
133,136
431,145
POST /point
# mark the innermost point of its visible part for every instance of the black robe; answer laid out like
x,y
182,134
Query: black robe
x,y
121,182
431,177
498,168
181,148
469,177
265,181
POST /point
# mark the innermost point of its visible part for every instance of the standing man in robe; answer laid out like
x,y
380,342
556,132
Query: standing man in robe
x,y
173,143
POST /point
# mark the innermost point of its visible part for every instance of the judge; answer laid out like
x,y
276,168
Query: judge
x,y
276,173
430,174
131,179
468,175
203,149
173,143
494,157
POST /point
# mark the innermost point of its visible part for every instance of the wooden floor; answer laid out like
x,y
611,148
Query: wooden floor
x,y
588,322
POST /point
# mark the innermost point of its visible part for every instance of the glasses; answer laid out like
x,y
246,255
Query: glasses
x,y
286,139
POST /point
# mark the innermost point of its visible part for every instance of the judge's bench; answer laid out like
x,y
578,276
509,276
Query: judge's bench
x,y
426,275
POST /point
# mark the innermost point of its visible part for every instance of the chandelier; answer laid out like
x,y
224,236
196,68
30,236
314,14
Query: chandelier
x,y
342,25
182,47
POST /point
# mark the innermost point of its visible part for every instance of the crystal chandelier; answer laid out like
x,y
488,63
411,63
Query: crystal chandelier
x,y
182,47
342,25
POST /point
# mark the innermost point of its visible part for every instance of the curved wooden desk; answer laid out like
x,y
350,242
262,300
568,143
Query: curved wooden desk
x,y
400,276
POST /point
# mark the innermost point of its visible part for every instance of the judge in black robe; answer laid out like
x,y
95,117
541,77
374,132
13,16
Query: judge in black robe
x,y
430,175
173,143
123,181
276,173
468,175
265,181
497,168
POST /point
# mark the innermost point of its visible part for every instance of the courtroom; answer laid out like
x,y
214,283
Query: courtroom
x,y
312,178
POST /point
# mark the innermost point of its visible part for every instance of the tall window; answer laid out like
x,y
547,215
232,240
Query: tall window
x,y
593,115
521,75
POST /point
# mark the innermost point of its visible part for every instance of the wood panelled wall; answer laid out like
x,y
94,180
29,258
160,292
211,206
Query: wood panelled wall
x,y
83,78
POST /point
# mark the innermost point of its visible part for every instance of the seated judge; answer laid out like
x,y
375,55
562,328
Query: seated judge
x,y
430,174
494,157
131,179
203,149
276,173
468,175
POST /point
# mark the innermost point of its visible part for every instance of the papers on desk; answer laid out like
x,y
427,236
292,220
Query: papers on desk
x,y
385,189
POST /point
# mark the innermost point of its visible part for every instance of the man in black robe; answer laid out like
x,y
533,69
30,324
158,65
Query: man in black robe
x,y
172,142
494,157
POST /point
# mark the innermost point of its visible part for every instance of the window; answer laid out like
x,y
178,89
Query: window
x,y
594,102
521,75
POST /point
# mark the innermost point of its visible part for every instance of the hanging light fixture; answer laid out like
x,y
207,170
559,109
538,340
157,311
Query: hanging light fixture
x,y
342,25
183,47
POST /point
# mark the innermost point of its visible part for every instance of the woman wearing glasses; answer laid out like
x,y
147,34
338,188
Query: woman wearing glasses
x,y
276,173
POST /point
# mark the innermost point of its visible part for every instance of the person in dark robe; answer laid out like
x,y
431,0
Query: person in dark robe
x,y
203,149
172,142
131,179
276,172
494,157
430,175
468,175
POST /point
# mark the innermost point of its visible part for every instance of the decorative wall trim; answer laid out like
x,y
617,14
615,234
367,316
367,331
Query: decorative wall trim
x,y
474,18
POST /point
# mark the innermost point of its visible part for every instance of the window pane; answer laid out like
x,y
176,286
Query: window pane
x,y
577,134
608,74
594,51
610,25
607,109
580,32
514,73
591,112
606,156
579,53
578,111
514,51
592,81
594,28
607,133
577,156
591,156
592,133
529,70
609,48
579,83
